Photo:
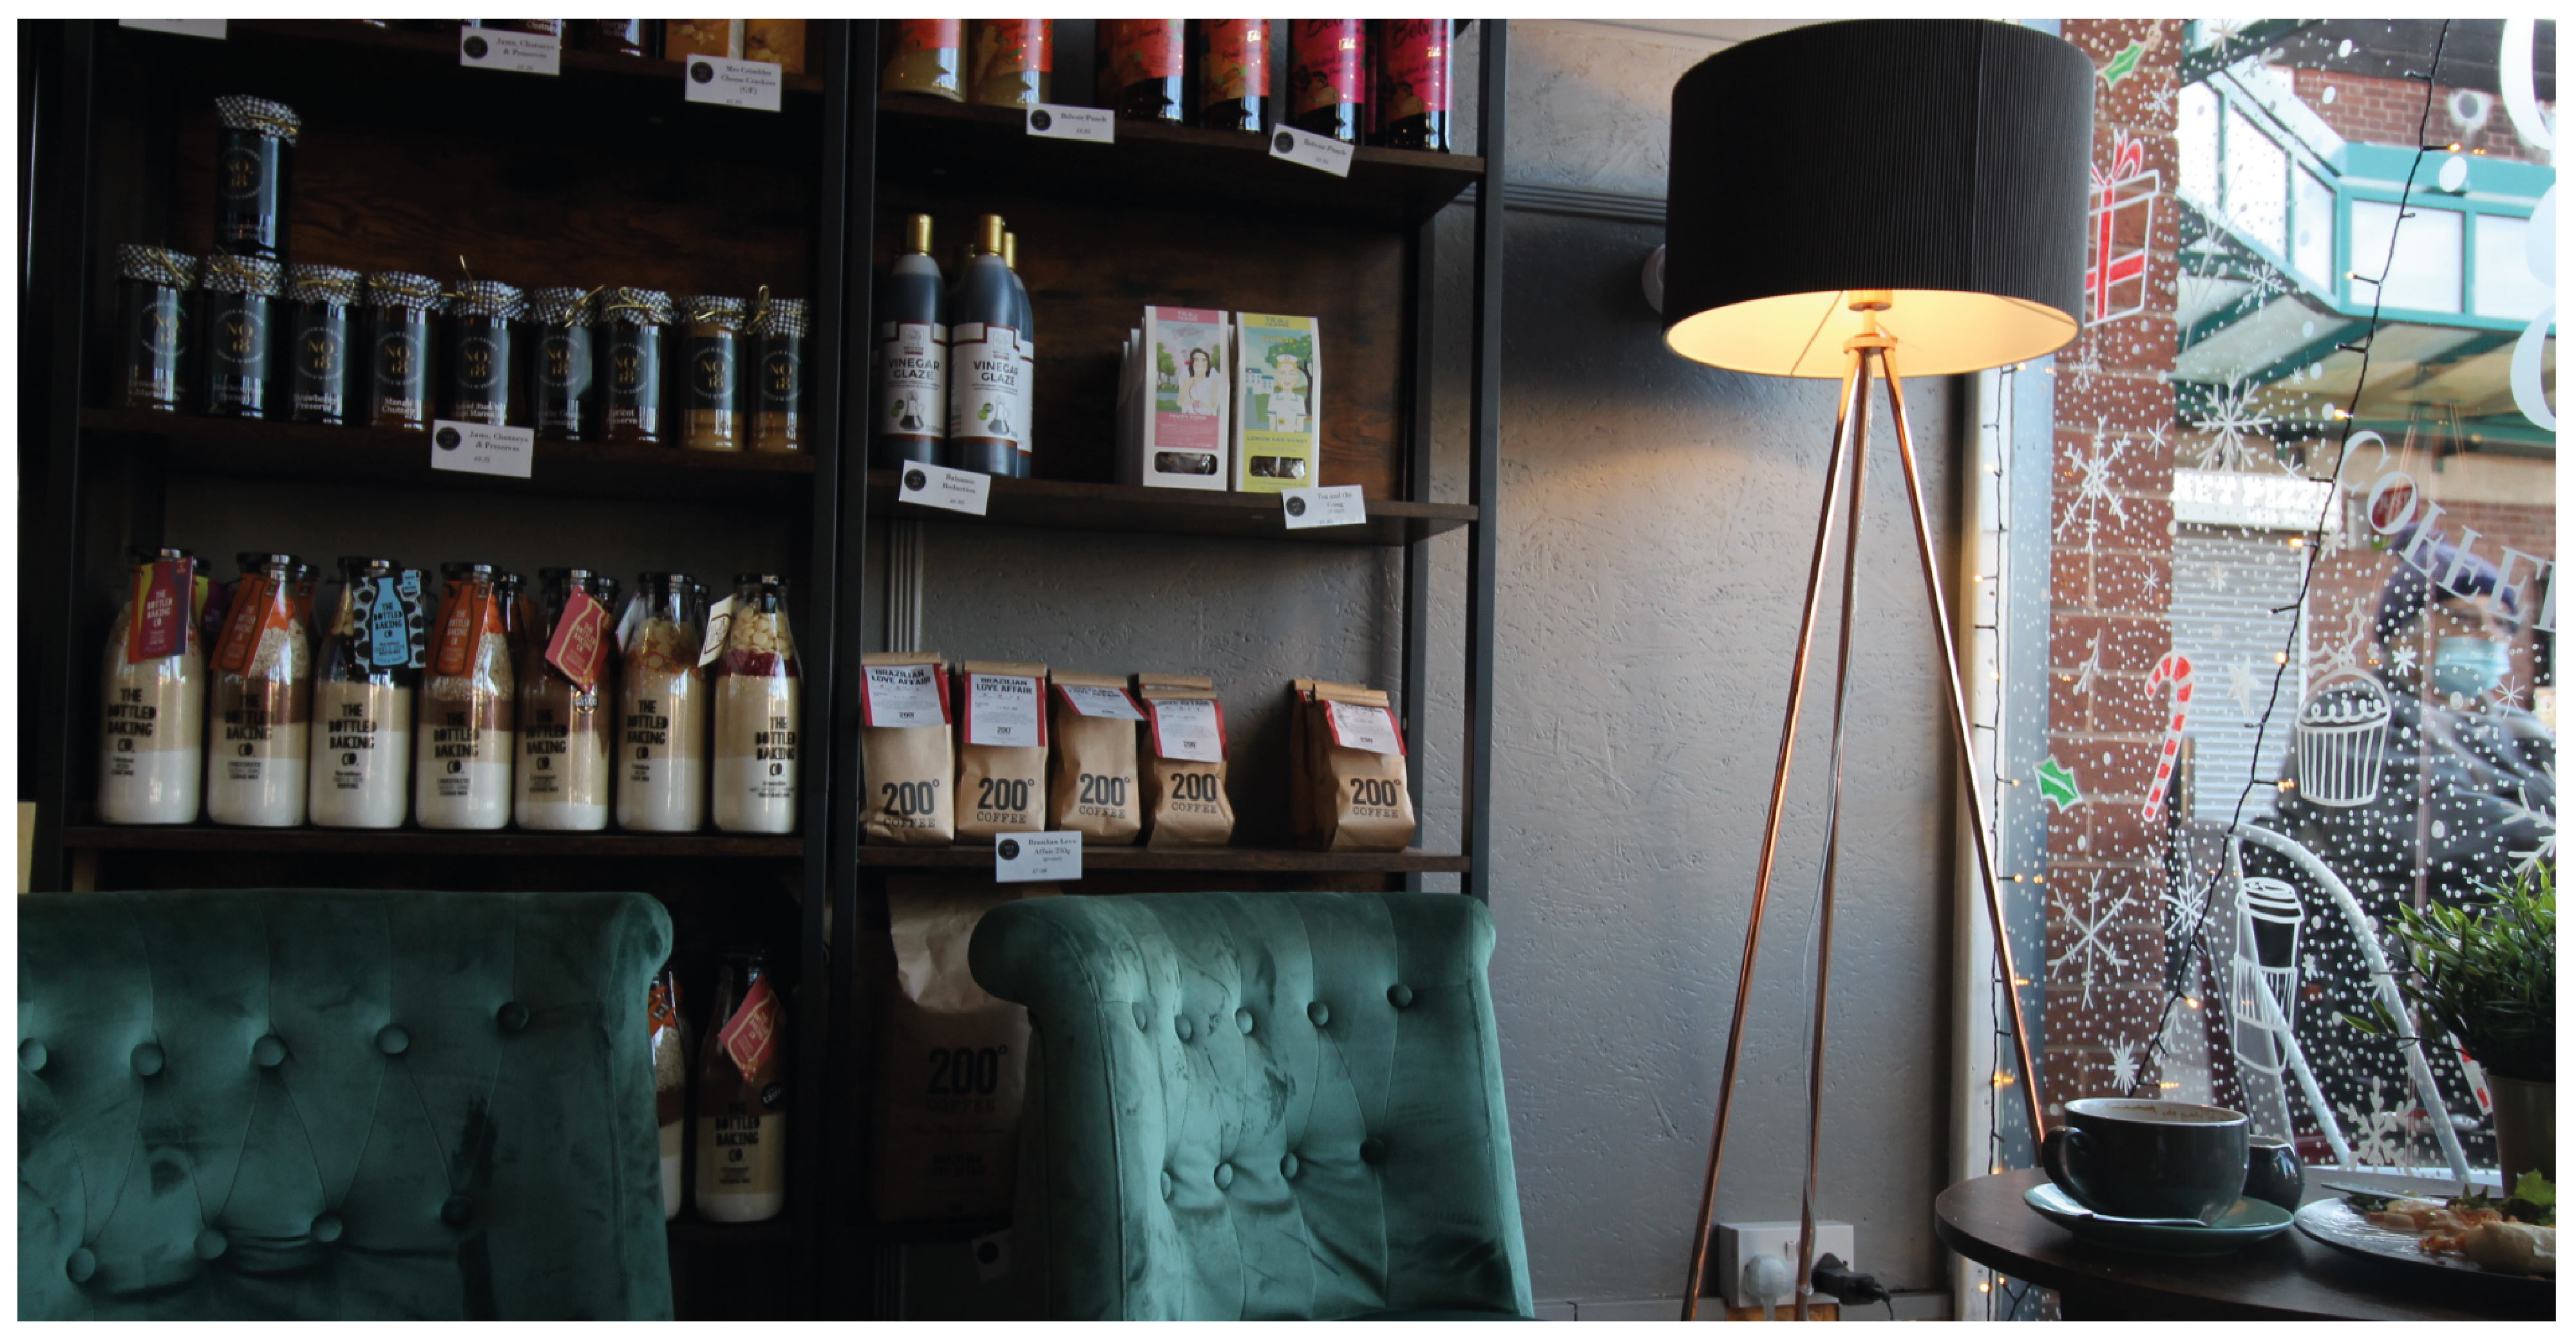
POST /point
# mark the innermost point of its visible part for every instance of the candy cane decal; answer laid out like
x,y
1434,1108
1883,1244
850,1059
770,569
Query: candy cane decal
x,y
2173,670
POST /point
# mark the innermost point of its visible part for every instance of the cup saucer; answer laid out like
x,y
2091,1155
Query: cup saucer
x,y
2250,1221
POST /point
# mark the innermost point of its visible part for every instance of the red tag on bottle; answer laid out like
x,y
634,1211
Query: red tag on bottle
x,y
752,1035
579,647
660,1012
165,602
259,604
467,614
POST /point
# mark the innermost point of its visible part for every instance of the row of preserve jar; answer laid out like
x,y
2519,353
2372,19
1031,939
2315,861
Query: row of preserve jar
x,y
553,711
246,338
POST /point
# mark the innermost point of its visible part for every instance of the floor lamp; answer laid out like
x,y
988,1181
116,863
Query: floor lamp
x,y
1847,199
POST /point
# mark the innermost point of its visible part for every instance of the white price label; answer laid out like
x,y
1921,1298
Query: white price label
x,y
1101,701
1188,729
727,82
1323,506
213,28
1001,711
527,53
1045,855
1097,124
483,449
1320,152
719,624
945,487
1364,727
904,696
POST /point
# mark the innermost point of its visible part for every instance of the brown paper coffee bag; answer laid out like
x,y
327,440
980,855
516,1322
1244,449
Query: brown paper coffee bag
x,y
1093,788
905,758
1001,748
951,1061
1368,807
1310,785
1183,746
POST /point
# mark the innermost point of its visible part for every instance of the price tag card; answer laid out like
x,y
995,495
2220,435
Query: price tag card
x,y
945,487
483,449
1188,729
904,696
527,53
213,28
1048,855
1098,125
1100,701
1323,506
727,82
719,624
1363,727
1002,711
1320,152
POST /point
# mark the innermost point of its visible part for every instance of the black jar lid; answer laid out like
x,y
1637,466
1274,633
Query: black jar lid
x,y
164,266
560,307
404,289
712,310
637,307
322,284
275,120
486,298
224,274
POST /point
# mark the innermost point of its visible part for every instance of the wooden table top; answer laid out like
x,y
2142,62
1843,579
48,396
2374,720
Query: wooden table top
x,y
2286,1277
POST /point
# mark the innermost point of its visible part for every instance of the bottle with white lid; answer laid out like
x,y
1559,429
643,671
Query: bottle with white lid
x,y
468,703
662,709
757,698
566,748
362,697
151,749
262,697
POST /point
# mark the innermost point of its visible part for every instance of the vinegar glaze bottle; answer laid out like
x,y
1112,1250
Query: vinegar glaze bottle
x,y
984,432
912,354
1028,385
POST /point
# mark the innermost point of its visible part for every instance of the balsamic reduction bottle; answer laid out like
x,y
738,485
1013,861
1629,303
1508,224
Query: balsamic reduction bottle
x,y
1139,62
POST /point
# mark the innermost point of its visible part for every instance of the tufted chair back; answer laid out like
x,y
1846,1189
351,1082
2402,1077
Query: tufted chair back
x,y
1260,1106
319,1104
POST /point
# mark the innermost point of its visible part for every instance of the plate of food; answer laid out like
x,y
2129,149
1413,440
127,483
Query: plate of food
x,y
2507,1244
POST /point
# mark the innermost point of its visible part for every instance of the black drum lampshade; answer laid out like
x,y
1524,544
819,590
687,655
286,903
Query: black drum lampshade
x,y
1942,160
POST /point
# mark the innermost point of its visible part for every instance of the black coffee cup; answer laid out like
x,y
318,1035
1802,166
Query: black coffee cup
x,y
2149,1158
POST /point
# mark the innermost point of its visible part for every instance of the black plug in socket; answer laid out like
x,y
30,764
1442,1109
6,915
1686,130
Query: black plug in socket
x,y
1835,1278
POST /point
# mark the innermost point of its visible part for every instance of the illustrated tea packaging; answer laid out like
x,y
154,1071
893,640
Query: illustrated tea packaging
x,y
1279,402
1180,386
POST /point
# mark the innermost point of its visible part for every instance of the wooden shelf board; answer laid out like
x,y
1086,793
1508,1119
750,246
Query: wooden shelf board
x,y
274,450
433,843
980,856
1081,506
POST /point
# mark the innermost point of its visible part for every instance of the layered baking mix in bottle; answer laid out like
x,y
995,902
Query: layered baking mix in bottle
x,y
670,1035
757,712
261,699
567,745
662,709
363,697
742,1095
151,746
461,779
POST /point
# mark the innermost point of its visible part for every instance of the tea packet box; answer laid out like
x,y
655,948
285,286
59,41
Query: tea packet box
x,y
1177,392
1279,401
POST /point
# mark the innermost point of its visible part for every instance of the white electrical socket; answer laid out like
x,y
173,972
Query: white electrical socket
x,y
1739,1242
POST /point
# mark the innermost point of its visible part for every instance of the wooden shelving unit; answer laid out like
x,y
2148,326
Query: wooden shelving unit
x,y
430,842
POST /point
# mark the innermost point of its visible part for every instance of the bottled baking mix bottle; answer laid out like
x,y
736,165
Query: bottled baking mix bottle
x,y
363,697
924,56
911,354
1328,77
776,401
461,778
757,712
559,364
261,697
742,1095
1026,322
321,313
670,1035
403,337
481,388
984,433
662,710
156,287
1011,62
566,748
710,372
1139,64
1230,73
151,745
1412,107
254,172
631,327
238,306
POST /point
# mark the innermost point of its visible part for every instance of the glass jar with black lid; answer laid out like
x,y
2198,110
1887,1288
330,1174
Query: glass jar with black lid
x,y
254,165
154,291
321,307
778,375
632,323
236,340
403,308
559,364
710,370
479,383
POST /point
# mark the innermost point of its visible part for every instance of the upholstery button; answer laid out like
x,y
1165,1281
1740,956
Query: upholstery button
x,y
1399,996
1167,1185
393,1041
1243,1019
1144,1018
1288,1166
1183,1028
1373,1151
31,1055
326,1229
147,1060
512,1017
1319,1013
269,1051
457,1210
211,1244
1225,1175
81,1266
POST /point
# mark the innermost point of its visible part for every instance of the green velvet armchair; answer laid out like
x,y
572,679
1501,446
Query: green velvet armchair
x,y
1260,1106
318,1104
